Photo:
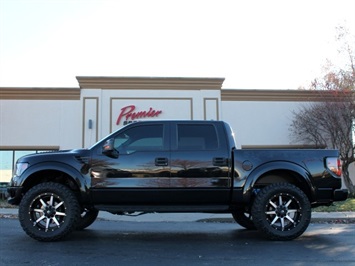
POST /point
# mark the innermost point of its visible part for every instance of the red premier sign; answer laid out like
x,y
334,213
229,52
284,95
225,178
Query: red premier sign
x,y
128,113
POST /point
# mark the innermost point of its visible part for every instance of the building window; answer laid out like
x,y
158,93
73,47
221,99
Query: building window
x,y
7,160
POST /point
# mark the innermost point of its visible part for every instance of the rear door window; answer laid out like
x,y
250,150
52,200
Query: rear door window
x,y
196,137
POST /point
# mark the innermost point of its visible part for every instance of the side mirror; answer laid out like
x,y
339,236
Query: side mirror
x,y
109,150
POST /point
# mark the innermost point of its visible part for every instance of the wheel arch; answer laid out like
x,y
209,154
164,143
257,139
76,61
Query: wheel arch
x,y
54,172
276,172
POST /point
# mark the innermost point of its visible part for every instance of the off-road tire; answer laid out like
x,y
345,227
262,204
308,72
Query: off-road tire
x,y
281,211
244,219
87,217
49,211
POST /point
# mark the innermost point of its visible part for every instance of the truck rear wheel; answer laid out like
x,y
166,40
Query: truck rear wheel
x,y
49,211
87,217
281,211
244,219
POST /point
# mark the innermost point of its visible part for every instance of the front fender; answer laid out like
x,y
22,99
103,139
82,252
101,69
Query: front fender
x,y
299,173
74,174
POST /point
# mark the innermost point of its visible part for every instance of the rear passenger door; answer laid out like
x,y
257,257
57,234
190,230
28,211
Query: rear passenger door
x,y
199,163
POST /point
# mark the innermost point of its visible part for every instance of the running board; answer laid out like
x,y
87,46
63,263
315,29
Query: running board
x,y
122,209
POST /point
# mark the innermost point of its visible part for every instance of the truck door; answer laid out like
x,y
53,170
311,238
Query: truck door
x,y
140,171
199,163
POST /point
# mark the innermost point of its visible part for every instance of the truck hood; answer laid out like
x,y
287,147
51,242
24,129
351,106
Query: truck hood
x,y
55,155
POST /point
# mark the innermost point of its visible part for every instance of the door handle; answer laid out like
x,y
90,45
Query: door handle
x,y
161,161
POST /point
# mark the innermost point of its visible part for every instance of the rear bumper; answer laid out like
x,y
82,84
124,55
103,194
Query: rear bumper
x,y
326,196
340,194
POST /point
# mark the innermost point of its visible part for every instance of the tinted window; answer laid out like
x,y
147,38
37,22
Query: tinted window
x,y
141,138
197,137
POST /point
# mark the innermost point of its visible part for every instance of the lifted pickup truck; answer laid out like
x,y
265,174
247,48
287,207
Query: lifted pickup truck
x,y
174,166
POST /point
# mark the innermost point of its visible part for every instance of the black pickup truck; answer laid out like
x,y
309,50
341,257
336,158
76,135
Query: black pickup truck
x,y
174,166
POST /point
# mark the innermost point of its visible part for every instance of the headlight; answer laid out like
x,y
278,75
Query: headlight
x,y
20,168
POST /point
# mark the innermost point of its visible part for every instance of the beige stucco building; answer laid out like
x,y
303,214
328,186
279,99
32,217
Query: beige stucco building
x,y
41,119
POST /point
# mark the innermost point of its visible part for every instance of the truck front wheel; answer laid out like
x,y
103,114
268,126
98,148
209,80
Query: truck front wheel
x,y
281,211
49,211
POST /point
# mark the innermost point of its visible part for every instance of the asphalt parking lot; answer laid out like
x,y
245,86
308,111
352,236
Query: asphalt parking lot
x,y
178,243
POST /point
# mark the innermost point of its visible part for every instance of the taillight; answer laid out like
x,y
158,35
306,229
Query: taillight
x,y
334,165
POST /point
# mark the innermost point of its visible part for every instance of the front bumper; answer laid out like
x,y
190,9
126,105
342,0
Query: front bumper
x,y
15,195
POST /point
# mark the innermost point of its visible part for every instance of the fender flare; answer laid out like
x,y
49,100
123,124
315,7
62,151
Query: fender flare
x,y
74,174
253,177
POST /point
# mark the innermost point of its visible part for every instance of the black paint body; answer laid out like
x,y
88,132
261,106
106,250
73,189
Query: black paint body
x,y
207,174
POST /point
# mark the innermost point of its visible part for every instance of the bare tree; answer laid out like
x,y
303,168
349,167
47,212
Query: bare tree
x,y
331,121
329,124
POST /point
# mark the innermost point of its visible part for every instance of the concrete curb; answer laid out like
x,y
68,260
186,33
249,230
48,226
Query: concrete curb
x,y
317,217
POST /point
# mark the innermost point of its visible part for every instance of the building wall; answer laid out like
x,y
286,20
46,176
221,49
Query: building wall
x,y
108,110
109,105
40,123
35,119
257,123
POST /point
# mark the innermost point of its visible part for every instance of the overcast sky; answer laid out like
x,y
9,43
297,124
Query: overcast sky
x,y
253,44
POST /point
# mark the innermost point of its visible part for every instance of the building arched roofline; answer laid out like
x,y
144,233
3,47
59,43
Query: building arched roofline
x,y
150,83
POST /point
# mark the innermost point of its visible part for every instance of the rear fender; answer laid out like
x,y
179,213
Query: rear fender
x,y
299,175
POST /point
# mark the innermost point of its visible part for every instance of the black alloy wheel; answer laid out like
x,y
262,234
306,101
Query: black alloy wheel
x,y
281,211
49,211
